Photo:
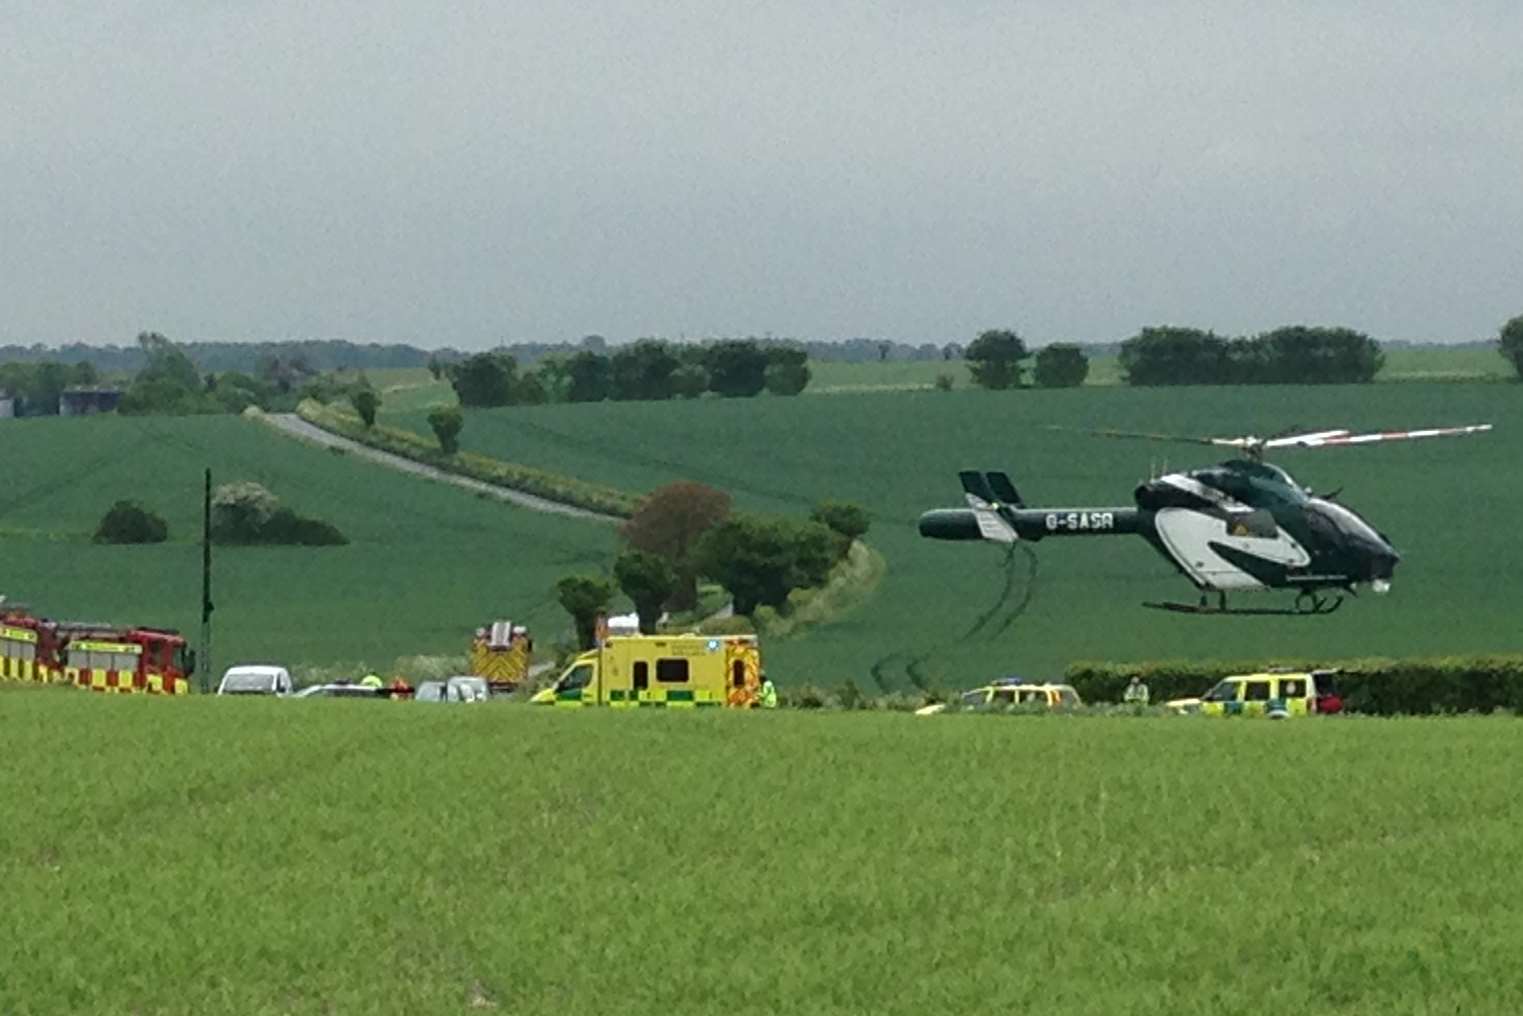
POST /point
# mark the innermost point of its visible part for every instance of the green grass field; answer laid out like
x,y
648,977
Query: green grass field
x,y
426,563
209,855
1447,505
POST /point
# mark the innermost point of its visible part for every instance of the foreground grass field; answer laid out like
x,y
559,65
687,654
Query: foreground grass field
x,y
426,563
955,614
207,855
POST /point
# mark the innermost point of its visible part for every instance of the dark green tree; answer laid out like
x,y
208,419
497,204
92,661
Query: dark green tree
x,y
366,402
167,362
484,380
529,390
168,383
649,581
584,597
787,370
130,522
1061,365
1512,343
737,368
642,371
995,359
554,378
587,377
847,520
447,423
690,380
1173,355
760,561
1299,354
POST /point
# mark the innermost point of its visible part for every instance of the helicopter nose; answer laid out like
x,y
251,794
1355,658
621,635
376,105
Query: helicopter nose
x,y
1383,562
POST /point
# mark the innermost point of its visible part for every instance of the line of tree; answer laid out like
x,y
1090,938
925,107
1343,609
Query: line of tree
x,y
647,370
169,384
317,355
685,531
1295,354
322,355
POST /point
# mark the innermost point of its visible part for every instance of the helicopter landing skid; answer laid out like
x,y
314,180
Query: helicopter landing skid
x,y
1308,604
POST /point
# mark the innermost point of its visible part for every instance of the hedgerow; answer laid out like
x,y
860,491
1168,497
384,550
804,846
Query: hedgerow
x,y
1388,687
410,445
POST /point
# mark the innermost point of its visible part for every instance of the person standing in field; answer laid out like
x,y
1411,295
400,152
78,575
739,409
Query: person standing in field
x,y
1136,692
767,696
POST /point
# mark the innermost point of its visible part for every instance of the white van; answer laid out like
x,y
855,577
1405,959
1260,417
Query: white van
x,y
255,679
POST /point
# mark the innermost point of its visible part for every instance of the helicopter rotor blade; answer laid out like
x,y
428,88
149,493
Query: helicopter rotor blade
x,y
1327,439
1146,436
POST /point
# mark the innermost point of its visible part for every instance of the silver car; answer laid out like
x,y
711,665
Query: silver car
x,y
454,689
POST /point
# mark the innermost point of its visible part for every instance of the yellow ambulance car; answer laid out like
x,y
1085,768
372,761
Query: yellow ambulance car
x,y
661,671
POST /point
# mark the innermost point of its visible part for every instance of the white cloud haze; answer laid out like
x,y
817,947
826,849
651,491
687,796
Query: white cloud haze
x,y
473,173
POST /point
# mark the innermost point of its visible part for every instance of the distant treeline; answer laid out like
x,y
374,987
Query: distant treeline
x,y
321,355
647,370
1297,354
217,357
339,354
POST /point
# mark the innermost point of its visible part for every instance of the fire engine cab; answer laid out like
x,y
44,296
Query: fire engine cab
x,y
28,649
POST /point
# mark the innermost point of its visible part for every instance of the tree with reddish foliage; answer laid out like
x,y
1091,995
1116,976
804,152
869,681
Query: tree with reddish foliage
x,y
669,522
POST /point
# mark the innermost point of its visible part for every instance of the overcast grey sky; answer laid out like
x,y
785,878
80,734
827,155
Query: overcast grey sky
x,y
471,173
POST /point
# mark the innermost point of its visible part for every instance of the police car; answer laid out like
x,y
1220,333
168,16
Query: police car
x,y
1011,691
1273,694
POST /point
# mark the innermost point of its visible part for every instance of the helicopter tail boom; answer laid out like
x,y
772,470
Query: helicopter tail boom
x,y
996,513
1002,524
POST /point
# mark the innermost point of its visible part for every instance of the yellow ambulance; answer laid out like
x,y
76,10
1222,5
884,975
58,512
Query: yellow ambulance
x,y
662,671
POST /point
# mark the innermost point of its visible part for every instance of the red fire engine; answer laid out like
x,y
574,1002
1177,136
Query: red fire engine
x,y
95,656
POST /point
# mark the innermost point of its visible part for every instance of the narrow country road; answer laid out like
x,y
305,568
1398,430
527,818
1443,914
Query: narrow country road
x,y
295,426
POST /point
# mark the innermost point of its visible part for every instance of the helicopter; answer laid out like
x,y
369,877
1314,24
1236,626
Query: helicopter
x,y
1238,526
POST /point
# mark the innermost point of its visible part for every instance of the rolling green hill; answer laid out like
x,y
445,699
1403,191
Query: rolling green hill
x,y
426,563
1447,505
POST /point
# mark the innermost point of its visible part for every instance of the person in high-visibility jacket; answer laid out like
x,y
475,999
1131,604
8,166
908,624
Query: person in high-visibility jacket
x,y
768,695
371,681
1136,692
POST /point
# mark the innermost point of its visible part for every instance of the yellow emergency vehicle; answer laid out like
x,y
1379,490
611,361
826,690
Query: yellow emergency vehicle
x,y
501,652
1273,694
662,671
1009,692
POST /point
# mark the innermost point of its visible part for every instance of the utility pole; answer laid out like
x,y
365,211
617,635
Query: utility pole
x,y
206,584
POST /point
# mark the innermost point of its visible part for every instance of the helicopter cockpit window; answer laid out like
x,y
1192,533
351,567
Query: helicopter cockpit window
x,y
1323,516
1257,524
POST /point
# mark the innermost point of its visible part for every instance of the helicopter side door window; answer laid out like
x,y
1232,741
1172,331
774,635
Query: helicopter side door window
x,y
1258,524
